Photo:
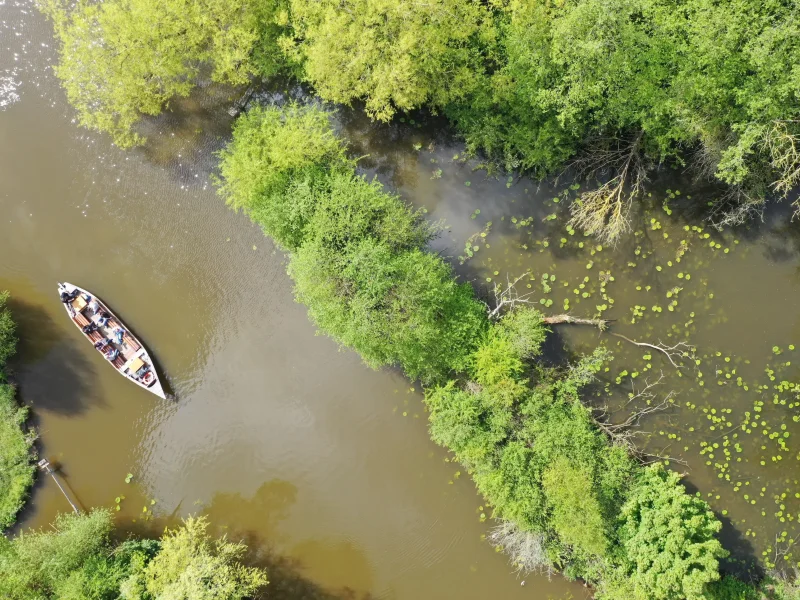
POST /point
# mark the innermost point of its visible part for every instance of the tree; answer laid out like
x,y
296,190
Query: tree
x,y
669,540
36,564
190,565
576,514
276,167
396,54
122,59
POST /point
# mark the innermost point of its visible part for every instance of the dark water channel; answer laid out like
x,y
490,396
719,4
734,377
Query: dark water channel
x,y
324,465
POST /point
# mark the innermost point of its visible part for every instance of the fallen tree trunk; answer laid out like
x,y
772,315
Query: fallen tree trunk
x,y
569,319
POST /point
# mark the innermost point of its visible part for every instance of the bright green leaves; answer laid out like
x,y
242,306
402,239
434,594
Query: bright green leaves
x,y
576,514
395,54
668,537
16,468
276,168
194,566
8,341
122,59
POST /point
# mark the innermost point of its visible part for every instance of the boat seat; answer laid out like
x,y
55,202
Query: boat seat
x,y
118,362
131,342
81,320
95,336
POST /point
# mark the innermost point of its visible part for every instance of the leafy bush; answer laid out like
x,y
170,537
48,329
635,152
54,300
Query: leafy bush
x,y
122,59
396,54
75,560
190,565
392,307
16,468
276,166
668,537
576,515
8,341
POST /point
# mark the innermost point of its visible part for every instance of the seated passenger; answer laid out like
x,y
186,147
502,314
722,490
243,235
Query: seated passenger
x,y
65,297
101,344
90,328
104,319
113,354
119,333
93,305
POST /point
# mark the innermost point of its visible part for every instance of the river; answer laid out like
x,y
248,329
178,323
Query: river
x,y
324,465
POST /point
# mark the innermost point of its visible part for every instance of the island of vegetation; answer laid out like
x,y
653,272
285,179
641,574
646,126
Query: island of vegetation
x,y
613,88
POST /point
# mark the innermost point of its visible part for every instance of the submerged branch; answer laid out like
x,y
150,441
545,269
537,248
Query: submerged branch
x,y
676,351
601,324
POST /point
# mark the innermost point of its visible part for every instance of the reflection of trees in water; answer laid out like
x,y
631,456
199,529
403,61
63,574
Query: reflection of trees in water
x,y
50,369
256,521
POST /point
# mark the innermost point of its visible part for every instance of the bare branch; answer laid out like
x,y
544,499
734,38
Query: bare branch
x,y
602,324
677,351
604,212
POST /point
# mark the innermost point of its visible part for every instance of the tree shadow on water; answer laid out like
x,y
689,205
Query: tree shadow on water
x,y
255,522
50,369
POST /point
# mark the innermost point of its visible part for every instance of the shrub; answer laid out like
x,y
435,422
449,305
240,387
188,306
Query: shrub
x,y
668,537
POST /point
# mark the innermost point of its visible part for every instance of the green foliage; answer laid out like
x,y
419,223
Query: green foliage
x,y
8,341
37,564
730,588
517,336
75,560
122,59
396,54
392,307
668,537
576,514
276,165
16,468
190,565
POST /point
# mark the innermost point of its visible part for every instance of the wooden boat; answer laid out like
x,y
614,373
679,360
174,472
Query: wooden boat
x,y
110,337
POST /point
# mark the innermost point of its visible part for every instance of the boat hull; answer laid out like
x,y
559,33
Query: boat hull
x,y
130,358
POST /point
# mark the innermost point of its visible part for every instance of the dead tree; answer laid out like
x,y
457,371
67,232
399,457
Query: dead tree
x,y
506,298
626,432
675,352
605,211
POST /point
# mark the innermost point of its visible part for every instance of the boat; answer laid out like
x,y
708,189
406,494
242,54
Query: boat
x,y
110,337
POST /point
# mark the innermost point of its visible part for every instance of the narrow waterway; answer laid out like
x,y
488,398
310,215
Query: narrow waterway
x,y
324,465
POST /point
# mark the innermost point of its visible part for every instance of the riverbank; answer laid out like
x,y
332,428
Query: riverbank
x,y
16,441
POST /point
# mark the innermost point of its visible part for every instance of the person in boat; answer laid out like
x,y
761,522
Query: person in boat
x,y
90,328
104,319
112,355
119,334
94,306
65,298
102,344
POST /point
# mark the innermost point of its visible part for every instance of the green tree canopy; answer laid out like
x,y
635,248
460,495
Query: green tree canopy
x,y
121,59
669,540
276,166
368,283
396,54
190,565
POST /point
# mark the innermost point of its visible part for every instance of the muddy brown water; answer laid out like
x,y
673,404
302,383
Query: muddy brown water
x,y
323,465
